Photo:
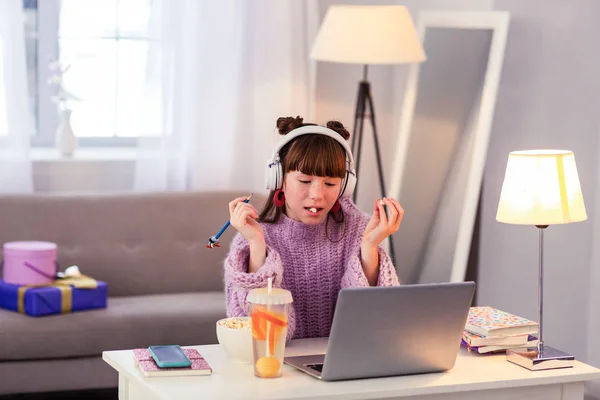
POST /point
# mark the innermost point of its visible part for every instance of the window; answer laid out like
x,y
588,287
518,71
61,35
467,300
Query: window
x,y
105,45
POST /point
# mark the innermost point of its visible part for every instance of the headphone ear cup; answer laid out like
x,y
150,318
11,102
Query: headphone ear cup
x,y
273,175
278,176
349,183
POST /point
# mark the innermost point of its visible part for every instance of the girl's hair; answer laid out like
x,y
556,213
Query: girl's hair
x,y
316,154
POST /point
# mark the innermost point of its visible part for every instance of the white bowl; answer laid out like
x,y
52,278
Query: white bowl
x,y
237,342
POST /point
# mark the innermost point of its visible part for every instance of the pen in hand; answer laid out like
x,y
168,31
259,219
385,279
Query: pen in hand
x,y
213,241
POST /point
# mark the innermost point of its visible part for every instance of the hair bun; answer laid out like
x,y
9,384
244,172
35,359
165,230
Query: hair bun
x,y
339,128
287,124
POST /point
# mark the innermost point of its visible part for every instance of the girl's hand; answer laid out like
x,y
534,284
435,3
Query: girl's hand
x,y
380,225
243,218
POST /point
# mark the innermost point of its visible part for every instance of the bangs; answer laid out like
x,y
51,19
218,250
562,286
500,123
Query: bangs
x,y
316,155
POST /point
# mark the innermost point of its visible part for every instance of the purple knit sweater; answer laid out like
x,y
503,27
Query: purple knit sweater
x,y
301,259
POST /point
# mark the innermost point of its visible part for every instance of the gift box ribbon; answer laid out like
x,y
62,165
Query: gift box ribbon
x,y
65,286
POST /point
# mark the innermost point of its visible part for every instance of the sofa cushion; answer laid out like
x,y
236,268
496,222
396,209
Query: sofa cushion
x,y
128,322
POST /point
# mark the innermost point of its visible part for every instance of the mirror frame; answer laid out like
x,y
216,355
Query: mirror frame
x,y
497,22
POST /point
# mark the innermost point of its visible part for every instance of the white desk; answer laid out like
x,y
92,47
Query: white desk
x,y
475,376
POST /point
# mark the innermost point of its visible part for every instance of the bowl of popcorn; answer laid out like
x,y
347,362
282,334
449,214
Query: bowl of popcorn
x,y
235,335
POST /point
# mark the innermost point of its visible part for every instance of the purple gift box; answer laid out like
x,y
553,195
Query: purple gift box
x,y
47,300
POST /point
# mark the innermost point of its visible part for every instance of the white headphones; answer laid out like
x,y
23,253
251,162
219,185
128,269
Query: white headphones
x,y
274,170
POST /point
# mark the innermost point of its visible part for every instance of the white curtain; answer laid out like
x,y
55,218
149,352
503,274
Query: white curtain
x,y
220,73
15,122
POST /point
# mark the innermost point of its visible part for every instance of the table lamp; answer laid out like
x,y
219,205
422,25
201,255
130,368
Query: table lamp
x,y
367,35
541,188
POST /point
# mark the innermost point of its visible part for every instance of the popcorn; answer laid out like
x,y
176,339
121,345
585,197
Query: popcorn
x,y
236,323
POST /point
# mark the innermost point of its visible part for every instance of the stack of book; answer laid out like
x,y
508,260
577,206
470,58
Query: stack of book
x,y
489,330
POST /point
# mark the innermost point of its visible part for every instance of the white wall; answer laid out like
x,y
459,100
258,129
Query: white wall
x,y
83,176
593,344
89,170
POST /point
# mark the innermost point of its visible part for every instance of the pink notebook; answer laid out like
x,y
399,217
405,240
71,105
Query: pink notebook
x,y
146,363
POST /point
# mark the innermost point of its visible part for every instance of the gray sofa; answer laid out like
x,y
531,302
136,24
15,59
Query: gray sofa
x,y
164,285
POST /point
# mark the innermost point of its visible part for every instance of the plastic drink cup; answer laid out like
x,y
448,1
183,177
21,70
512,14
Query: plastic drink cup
x,y
269,314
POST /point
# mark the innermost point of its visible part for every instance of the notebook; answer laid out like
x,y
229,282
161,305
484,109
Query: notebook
x,y
491,322
533,341
473,339
148,367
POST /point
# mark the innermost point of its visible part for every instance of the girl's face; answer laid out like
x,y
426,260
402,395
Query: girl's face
x,y
309,198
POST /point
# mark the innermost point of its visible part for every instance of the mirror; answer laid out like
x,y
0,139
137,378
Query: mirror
x,y
441,149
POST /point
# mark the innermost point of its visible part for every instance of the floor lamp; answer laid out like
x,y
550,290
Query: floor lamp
x,y
367,35
541,188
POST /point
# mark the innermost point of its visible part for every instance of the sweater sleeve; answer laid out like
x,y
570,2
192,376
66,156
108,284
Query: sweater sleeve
x,y
354,275
238,260
238,281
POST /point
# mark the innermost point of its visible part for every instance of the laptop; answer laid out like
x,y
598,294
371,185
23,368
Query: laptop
x,y
391,331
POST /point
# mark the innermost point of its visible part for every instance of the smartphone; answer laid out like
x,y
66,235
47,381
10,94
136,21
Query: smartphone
x,y
170,356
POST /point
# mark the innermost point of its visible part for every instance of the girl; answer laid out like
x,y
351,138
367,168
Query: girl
x,y
310,238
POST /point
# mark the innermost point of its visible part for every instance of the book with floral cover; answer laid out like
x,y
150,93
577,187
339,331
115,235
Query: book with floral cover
x,y
148,367
491,322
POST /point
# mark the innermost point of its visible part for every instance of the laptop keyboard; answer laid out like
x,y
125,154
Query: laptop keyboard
x,y
317,367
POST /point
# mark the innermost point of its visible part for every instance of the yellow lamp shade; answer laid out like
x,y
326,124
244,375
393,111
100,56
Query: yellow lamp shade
x,y
368,35
541,187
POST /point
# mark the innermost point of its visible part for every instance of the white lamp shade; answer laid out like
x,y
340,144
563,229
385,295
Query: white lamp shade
x,y
541,187
368,35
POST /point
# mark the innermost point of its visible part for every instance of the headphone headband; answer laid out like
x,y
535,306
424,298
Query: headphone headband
x,y
274,170
314,130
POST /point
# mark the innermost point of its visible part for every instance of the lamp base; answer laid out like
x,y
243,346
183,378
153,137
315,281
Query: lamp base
x,y
549,358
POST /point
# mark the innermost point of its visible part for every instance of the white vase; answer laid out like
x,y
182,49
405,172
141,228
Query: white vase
x,y
66,142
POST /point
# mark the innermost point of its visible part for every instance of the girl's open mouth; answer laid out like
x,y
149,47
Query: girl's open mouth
x,y
313,210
